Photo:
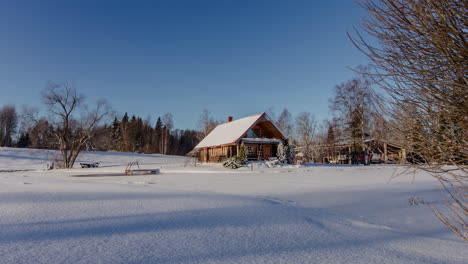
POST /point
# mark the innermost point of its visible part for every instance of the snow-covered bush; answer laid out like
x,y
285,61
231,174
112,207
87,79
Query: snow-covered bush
x,y
232,163
290,154
413,201
286,153
281,153
273,162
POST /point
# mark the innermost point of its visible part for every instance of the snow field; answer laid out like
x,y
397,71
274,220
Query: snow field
x,y
207,214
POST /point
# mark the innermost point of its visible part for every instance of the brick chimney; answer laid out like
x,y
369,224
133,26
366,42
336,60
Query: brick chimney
x,y
229,119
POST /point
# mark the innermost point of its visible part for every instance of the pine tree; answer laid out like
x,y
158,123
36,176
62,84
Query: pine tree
x,y
242,156
125,142
147,138
132,133
139,135
116,134
157,136
24,141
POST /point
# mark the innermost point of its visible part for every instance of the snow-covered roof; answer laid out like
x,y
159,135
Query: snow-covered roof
x,y
229,133
261,140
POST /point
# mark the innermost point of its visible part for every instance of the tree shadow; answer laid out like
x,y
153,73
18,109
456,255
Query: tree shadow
x,y
309,231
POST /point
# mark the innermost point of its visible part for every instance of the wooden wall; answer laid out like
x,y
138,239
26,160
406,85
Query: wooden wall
x,y
219,154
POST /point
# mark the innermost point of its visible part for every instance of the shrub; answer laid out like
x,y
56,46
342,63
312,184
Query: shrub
x,y
232,163
281,153
242,156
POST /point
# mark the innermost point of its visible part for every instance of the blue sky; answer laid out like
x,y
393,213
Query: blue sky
x,y
151,57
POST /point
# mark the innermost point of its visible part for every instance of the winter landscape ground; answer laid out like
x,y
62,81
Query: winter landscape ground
x,y
208,214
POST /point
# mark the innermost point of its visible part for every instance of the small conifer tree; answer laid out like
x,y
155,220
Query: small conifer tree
x,y
23,141
116,134
241,155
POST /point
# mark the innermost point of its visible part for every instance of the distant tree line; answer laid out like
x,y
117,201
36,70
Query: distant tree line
x,y
8,124
133,134
125,134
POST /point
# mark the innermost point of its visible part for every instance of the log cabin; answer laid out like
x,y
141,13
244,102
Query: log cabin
x,y
259,134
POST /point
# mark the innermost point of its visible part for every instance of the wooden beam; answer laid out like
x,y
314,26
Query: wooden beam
x,y
385,152
403,155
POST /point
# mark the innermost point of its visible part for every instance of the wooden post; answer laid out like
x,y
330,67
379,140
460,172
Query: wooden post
x,y
385,152
350,159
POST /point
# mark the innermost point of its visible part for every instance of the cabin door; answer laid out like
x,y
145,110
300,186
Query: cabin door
x,y
266,151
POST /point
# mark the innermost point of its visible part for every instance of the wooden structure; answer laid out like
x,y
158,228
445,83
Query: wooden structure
x,y
379,151
130,171
258,133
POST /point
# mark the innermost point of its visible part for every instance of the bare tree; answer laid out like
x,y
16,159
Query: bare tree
x,y
325,143
420,60
8,124
285,123
38,128
206,123
24,118
306,127
40,136
354,105
168,123
271,113
70,131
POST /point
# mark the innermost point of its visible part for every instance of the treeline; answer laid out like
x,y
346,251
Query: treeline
x,y
125,134
132,134
8,125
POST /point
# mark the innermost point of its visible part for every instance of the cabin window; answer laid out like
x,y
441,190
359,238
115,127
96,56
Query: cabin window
x,y
251,134
249,150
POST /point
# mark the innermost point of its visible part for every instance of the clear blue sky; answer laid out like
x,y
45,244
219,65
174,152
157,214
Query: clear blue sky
x,y
150,57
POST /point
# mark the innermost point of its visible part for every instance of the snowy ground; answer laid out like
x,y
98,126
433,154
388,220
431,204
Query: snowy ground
x,y
208,214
